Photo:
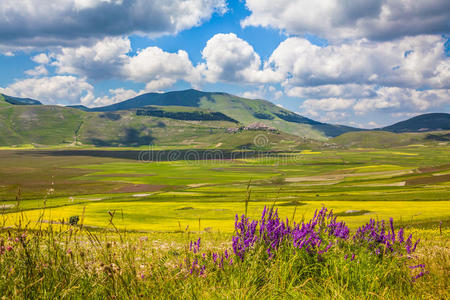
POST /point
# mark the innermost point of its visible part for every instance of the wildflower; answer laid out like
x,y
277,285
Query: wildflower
x,y
422,272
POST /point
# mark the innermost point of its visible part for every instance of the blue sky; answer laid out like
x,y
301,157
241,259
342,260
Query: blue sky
x,y
365,63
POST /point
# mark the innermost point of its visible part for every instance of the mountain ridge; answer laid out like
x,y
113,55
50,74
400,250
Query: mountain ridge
x,y
205,118
246,111
18,101
421,123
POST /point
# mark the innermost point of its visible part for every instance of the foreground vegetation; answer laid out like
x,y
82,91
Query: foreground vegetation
x,y
265,258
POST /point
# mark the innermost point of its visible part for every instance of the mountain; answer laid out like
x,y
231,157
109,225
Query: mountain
x,y
173,126
425,122
245,111
80,107
18,101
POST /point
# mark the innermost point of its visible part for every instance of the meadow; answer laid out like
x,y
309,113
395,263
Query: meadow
x,y
140,216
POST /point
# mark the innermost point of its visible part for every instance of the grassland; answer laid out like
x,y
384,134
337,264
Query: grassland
x,y
138,218
410,184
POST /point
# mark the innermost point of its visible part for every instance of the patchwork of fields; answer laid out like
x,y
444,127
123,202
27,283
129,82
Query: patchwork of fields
x,y
410,184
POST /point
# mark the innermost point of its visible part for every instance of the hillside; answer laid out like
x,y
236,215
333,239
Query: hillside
x,y
246,111
45,125
17,101
385,139
425,122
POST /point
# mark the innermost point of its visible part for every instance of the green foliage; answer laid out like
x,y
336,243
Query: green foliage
x,y
198,115
61,261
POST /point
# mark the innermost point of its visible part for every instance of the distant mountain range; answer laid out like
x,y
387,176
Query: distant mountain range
x,y
189,118
421,123
19,101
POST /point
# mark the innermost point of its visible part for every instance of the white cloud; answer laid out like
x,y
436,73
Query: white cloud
x,y
41,58
53,90
373,124
46,23
39,70
116,95
392,99
231,59
347,91
413,62
158,68
103,60
313,107
264,92
340,20
109,58
396,101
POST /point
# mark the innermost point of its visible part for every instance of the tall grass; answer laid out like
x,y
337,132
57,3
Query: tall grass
x,y
74,262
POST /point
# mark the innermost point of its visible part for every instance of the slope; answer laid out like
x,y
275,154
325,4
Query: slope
x,y
425,122
177,127
244,110
18,101
385,139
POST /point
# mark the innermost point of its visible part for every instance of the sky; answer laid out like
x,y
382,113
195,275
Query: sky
x,y
363,63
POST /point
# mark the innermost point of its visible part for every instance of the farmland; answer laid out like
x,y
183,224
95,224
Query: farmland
x,y
410,184
138,210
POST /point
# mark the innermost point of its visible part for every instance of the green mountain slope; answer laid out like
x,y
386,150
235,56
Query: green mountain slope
x,y
425,122
178,127
385,139
246,111
18,101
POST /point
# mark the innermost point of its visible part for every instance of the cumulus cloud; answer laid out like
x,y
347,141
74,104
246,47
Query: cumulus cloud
x,y
53,90
44,23
103,60
41,58
315,107
109,58
341,20
264,92
346,91
393,100
413,62
115,96
39,70
231,59
158,68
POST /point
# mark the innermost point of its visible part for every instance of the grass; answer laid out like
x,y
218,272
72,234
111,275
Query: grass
x,y
138,219
150,194
77,262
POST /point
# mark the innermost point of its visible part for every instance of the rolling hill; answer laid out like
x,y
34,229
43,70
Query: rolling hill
x,y
168,126
245,111
425,122
195,119
386,139
17,101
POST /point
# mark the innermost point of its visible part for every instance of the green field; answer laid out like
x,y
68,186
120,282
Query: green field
x,y
411,184
138,218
